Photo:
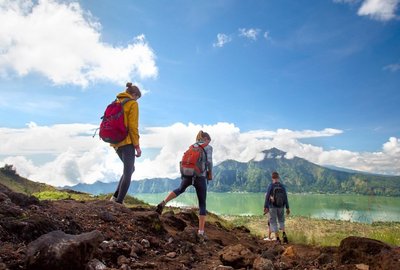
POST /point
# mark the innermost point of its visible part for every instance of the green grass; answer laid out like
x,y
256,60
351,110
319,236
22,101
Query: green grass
x,y
22,185
129,200
61,195
80,196
303,230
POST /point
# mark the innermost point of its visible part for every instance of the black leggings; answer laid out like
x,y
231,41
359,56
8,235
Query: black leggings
x,y
200,184
127,154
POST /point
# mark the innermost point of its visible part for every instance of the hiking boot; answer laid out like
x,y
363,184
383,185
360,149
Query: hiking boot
x,y
278,240
160,207
285,240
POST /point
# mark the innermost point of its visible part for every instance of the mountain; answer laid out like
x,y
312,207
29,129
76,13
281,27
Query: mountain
x,y
299,175
332,167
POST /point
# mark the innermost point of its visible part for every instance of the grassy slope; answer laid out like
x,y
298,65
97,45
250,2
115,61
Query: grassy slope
x,y
47,192
23,185
79,196
323,232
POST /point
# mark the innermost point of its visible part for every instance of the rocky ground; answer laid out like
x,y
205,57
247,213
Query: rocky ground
x,y
98,234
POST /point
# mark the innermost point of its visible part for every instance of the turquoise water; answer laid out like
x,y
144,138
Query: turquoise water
x,y
355,208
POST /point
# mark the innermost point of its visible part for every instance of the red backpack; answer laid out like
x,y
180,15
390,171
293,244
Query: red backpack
x,y
193,161
112,127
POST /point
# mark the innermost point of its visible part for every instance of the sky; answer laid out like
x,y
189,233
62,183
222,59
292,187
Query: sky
x,y
318,79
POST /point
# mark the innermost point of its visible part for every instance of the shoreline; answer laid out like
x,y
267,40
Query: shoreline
x,y
344,207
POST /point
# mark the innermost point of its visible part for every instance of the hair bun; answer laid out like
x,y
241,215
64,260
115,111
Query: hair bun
x,y
128,84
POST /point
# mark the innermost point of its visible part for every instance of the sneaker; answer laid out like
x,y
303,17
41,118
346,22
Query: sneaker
x,y
285,240
160,207
268,239
113,199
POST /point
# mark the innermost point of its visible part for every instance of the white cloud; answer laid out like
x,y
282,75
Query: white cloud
x,y
63,43
54,139
392,147
77,157
382,10
251,33
222,39
392,67
267,35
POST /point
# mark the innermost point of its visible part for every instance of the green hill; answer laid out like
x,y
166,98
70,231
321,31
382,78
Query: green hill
x,y
16,183
299,175
10,179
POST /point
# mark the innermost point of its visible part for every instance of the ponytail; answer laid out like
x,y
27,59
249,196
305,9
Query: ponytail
x,y
202,135
199,136
133,89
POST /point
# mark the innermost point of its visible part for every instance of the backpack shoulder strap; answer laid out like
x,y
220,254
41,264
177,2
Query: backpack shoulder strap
x,y
126,101
205,153
202,147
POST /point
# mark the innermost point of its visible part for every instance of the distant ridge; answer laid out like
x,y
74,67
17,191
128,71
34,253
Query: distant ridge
x,y
347,170
298,174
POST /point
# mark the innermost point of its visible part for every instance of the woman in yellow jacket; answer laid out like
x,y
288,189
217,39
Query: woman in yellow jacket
x,y
129,147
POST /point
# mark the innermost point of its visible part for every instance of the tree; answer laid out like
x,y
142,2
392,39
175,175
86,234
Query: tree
x,y
8,169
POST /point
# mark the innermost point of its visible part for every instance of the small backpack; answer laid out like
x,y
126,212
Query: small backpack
x,y
112,127
193,161
278,194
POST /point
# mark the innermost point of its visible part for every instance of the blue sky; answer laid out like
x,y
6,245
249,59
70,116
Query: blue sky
x,y
317,79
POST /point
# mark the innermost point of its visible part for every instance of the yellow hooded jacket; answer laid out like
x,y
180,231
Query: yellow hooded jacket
x,y
131,121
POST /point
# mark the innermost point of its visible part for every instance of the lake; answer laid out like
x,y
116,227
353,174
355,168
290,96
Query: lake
x,y
355,208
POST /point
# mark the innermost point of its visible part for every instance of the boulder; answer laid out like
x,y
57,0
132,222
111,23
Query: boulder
x,y
237,256
58,250
174,222
364,251
149,221
353,250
